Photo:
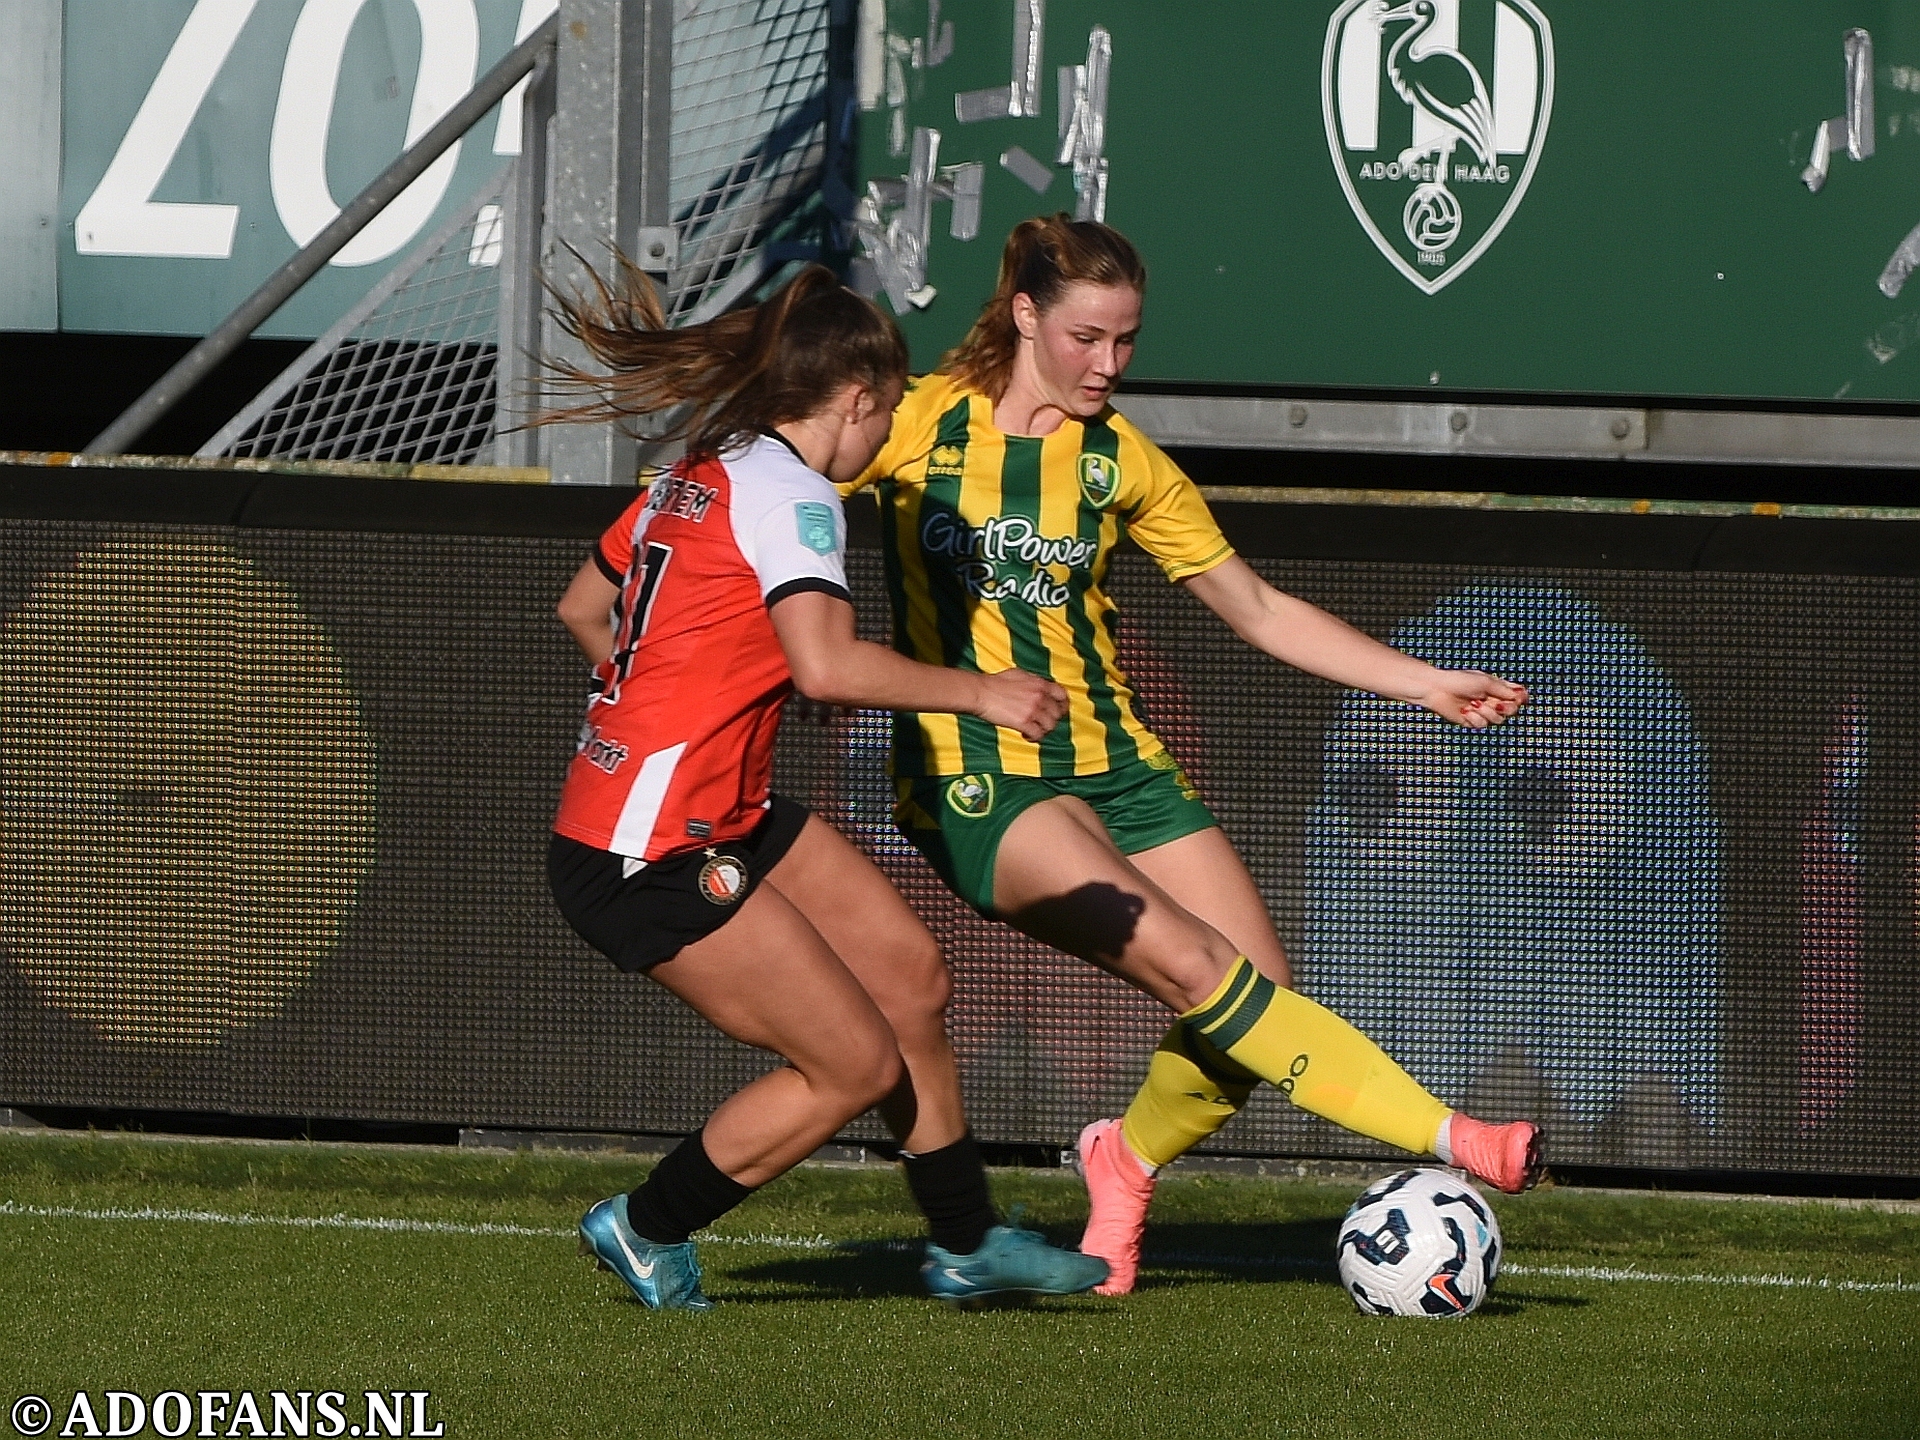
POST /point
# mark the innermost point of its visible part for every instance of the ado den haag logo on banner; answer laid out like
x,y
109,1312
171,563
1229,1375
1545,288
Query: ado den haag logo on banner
x,y
1436,111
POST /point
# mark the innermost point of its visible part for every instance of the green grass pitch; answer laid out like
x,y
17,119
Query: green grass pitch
x,y
146,1266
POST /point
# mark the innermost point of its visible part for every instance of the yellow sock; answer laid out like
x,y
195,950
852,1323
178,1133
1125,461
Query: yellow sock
x,y
1191,1090
1314,1058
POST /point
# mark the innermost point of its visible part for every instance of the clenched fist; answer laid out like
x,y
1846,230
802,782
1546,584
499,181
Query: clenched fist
x,y
1016,700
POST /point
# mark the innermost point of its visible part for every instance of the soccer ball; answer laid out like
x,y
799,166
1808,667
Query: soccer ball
x,y
1419,1243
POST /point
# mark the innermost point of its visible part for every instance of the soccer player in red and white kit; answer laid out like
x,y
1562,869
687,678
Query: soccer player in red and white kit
x,y
706,604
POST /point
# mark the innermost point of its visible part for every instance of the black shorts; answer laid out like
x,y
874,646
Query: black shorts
x,y
639,920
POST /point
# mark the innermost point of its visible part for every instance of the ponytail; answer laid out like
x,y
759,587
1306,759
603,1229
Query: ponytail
x,y
1043,256
737,374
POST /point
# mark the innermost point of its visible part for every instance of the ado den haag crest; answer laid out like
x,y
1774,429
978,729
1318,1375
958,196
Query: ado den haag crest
x,y
1436,111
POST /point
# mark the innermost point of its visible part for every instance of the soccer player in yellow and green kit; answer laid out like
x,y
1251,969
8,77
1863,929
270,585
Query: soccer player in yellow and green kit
x,y
1005,484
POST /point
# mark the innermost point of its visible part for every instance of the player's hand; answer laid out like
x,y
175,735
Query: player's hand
x,y
1015,700
1473,698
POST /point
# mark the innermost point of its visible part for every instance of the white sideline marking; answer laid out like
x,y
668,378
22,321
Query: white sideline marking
x,y
1559,1272
823,1243
357,1222
781,1242
1785,1282
292,1222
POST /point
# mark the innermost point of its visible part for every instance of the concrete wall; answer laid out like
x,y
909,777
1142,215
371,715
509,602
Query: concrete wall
x,y
29,164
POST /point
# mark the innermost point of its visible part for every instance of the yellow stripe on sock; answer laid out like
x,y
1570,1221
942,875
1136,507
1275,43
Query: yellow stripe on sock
x,y
1228,994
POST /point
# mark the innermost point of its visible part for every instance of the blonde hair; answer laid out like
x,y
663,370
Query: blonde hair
x,y
739,373
1043,256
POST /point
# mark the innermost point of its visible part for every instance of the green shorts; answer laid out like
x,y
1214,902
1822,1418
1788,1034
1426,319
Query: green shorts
x,y
957,821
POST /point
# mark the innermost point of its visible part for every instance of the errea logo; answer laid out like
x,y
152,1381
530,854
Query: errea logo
x,y
1436,111
949,460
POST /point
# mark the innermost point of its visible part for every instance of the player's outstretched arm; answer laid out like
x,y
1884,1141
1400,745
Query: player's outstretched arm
x,y
830,663
1307,637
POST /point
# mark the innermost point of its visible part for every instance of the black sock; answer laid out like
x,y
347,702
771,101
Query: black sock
x,y
686,1192
950,1187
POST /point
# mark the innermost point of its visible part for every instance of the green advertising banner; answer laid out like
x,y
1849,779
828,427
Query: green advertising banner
x,y
207,140
1520,196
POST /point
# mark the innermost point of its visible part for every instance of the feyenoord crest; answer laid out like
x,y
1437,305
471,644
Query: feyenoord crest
x,y
1436,111
722,880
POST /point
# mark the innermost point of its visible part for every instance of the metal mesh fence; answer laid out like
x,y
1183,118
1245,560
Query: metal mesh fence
x,y
408,375
749,141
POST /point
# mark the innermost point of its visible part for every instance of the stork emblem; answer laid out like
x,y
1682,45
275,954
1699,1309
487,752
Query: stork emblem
x,y
1436,111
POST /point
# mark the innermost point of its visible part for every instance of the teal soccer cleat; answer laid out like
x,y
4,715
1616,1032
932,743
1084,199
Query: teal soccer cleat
x,y
662,1277
1009,1263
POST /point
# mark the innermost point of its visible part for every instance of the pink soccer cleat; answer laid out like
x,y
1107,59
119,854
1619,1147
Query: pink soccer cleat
x,y
1119,1189
1506,1157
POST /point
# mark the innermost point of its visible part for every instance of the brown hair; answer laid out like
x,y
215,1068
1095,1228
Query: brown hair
x,y
1042,258
739,373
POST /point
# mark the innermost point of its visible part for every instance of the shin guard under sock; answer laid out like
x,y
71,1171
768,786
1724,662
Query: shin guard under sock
x,y
686,1192
1191,1090
1316,1059
950,1187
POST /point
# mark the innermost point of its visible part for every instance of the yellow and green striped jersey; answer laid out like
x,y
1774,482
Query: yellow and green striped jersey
x,y
996,548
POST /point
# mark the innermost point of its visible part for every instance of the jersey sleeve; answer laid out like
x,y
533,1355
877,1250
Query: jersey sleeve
x,y
1169,519
799,543
613,553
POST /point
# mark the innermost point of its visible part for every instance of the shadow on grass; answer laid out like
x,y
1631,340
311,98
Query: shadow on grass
x,y
1290,1251
854,1271
1176,1255
1518,1302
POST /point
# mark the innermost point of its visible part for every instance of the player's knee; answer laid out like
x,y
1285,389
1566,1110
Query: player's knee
x,y
870,1069
1198,961
883,1074
939,989
914,990
926,984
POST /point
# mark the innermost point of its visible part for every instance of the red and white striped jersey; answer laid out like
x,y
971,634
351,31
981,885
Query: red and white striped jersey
x,y
676,751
